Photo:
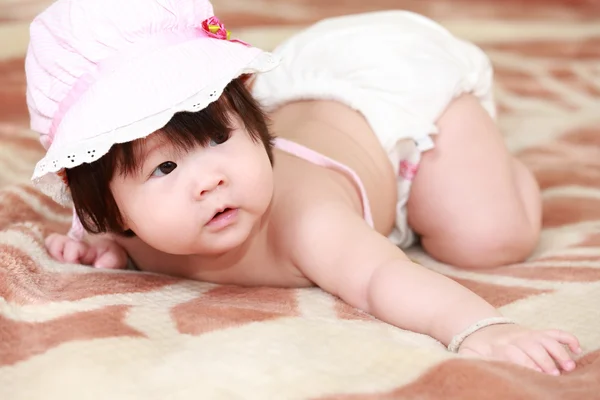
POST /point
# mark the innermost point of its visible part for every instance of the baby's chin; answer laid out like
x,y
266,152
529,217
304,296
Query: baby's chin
x,y
207,245
217,248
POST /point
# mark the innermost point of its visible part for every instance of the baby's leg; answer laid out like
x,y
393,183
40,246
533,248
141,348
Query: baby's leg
x,y
473,203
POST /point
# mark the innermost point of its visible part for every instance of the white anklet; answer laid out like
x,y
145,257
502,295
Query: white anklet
x,y
460,338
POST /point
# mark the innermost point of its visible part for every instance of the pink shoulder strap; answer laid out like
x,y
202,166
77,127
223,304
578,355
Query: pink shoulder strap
x,y
319,159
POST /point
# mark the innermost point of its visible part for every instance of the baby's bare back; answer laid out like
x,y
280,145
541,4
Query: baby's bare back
x,y
336,131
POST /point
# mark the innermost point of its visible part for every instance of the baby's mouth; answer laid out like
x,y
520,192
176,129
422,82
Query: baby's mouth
x,y
221,213
223,218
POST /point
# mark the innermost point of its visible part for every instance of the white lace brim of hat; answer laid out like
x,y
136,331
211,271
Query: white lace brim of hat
x,y
45,176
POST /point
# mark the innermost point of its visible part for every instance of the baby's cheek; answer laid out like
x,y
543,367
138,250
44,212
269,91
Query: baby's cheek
x,y
140,215
266,183
166,224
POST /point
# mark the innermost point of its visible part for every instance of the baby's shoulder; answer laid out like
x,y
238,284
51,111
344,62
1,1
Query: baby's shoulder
x,y
300,211
304,195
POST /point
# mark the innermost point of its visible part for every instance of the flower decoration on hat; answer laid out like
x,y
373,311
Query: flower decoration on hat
x,y
216,29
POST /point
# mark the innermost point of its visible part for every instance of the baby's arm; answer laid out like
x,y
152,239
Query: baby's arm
x,y
99,251
341,254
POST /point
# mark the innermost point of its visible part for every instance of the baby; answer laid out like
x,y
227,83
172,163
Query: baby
x,y
380,130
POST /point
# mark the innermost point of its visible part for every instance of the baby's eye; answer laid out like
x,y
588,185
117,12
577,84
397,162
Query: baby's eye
x,y
218,139
164,169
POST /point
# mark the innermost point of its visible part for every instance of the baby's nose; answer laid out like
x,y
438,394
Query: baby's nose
x,y
209,185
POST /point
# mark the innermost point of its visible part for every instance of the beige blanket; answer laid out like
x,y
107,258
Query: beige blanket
x,y
71,332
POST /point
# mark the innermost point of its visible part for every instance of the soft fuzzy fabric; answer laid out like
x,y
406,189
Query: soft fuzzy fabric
x,y
71,332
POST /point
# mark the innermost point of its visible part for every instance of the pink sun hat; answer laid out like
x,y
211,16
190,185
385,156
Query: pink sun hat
x,y
101,72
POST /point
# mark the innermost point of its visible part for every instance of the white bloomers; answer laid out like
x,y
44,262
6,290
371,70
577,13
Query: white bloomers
x,y
399,69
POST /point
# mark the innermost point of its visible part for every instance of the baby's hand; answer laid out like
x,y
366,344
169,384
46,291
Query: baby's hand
x,y
102,253
541,350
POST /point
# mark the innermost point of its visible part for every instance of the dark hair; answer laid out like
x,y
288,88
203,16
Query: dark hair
x,y
90,183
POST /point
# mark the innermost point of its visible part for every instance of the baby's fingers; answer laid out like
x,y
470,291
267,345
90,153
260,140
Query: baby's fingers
x,y
55,244
539,354
74,251
111,259
518,356
565,338
559,353
88,256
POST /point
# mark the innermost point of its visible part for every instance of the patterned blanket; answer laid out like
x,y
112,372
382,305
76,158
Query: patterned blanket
x,y
72,332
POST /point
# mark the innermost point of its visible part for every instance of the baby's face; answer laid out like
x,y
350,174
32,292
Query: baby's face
x,y
205,202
